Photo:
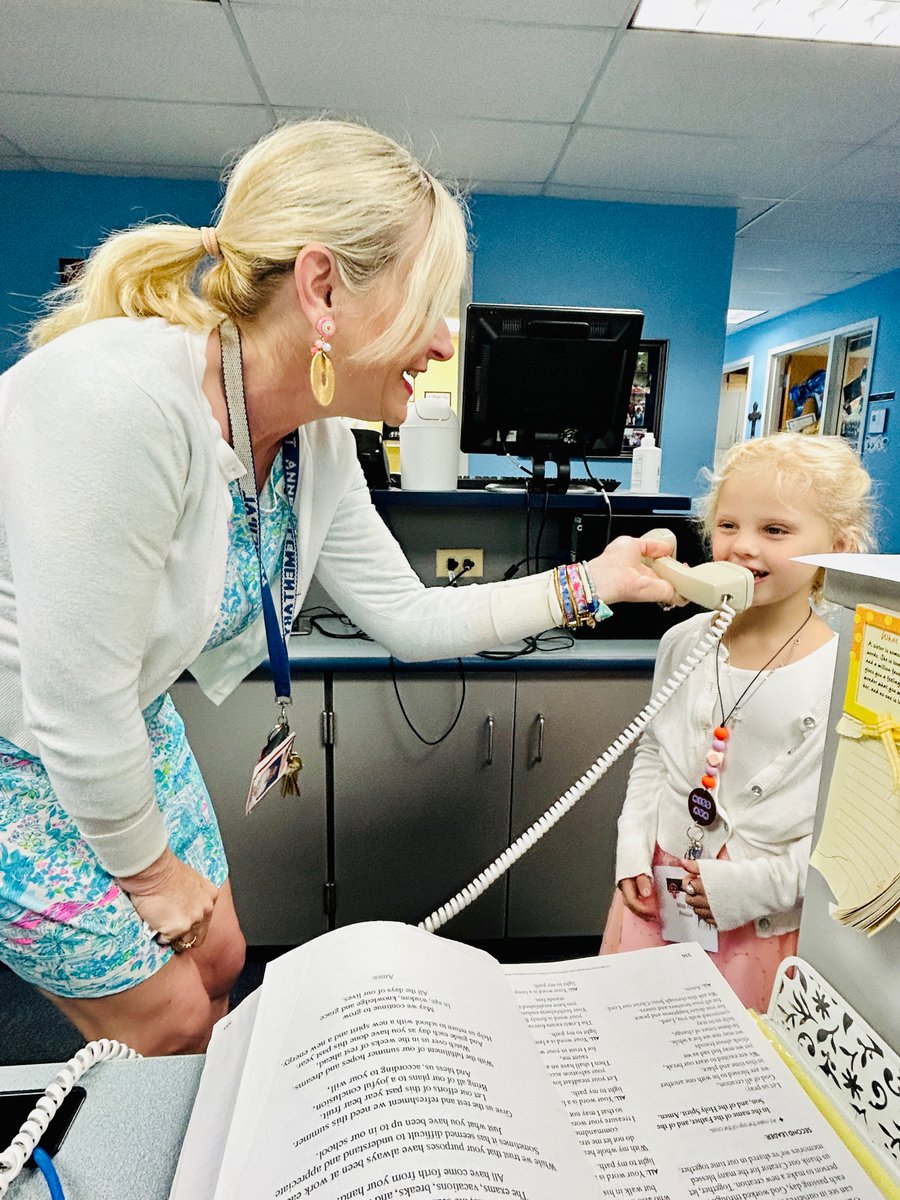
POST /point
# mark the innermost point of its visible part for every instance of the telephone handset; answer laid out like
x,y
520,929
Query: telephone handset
x,y
714,585
711,584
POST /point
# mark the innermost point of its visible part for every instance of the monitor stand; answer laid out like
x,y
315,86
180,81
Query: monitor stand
x,y
538,483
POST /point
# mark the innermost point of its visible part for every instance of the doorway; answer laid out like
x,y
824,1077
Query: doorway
x,y
730,426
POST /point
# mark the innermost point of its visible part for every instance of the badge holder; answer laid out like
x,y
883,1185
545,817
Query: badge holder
x,y
277,764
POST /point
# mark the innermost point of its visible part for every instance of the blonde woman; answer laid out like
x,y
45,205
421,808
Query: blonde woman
x,y
168,488
724,783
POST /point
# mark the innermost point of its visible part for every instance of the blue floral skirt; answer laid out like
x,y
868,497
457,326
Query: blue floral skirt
x,y
65,925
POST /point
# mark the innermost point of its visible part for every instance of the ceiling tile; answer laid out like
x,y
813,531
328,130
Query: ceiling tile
x,y
464,149
636,159
153,49
890,137
795,254
142,131
494,187
602,13
822,221
698,83
871,173
437,68
772,301
749,210
790,281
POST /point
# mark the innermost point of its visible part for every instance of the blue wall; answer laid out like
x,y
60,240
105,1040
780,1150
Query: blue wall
x,y
47,216
672,263
879,298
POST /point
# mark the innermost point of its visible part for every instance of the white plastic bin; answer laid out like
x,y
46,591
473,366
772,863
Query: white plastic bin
x,y
429,446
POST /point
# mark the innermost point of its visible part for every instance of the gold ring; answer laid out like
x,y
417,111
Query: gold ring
x,y
179,945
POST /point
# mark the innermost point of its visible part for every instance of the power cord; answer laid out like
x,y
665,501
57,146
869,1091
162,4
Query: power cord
x,y
600,488
320,613
549,642
513,568
44,1164
424,740
455,575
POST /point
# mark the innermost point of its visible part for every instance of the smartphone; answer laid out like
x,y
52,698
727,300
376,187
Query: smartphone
x,y
302,627
14,1110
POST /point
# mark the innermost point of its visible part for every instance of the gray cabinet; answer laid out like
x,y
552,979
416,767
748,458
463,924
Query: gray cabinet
x,y
414,823
277,855
397,827
564,721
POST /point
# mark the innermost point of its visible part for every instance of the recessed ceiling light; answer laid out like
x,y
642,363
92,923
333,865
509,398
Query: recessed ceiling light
x,y
870,22
737,316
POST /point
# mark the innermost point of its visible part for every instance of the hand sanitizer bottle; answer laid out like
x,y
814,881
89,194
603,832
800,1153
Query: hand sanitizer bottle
x,y
646,460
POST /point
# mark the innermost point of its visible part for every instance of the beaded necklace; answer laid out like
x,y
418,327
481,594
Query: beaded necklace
x,y
701,802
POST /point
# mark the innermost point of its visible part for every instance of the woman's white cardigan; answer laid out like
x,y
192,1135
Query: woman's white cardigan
x,y
114,505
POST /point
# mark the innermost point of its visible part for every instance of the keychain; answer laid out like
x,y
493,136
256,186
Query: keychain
x,y
695,839
277,763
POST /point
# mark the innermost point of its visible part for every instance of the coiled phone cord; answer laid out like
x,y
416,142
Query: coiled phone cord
x,y
14,1157
569,799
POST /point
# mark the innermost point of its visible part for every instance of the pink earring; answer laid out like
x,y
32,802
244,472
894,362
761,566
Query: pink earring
x,y
321,369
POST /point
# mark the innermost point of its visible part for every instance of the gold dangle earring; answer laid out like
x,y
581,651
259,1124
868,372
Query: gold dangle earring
x,y
321,369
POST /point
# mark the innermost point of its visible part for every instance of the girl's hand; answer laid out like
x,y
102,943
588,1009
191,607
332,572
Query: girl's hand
x,y
695,892
175,900
619,573
639,896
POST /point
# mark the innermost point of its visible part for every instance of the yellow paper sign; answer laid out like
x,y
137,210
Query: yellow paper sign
x,y
873,679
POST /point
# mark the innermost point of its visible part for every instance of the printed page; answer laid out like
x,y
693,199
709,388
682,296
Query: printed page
x,y
858,849
204,1143
393,1064
672,1089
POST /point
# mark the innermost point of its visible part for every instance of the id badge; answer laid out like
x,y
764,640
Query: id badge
x,y
275,764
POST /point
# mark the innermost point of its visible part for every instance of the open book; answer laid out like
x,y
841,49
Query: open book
x,y
380,1062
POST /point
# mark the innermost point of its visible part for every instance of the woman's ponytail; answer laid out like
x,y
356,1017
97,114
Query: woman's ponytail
x,y
144,272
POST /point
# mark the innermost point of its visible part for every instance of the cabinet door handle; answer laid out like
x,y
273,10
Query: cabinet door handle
x,y
539,756
490,741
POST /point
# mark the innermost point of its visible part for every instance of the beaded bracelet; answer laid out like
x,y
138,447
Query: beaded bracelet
x,y
578,600
566,607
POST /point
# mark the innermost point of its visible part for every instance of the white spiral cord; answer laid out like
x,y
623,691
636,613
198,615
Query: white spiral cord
x,y
14,1157
569,799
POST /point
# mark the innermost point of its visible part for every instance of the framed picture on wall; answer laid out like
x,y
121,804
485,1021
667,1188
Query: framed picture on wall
x,y
645,409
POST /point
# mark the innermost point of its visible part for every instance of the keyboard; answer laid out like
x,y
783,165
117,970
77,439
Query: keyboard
x,y
515,483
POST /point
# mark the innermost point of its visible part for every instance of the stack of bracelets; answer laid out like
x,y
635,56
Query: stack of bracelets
x,y
579,603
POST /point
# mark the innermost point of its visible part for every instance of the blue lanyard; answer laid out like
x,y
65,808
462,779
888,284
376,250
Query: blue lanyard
x,y
277,631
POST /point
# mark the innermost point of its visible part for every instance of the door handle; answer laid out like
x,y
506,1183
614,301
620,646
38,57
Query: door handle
x,y
490,741
539,756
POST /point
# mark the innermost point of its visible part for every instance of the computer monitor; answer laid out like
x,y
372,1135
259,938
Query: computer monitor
x,y
548,383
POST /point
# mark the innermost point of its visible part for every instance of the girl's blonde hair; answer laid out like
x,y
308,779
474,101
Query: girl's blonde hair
x,y
334,182
823,472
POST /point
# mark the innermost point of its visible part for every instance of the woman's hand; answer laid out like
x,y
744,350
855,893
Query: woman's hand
x,y
175,900
639,896
619,573
695,892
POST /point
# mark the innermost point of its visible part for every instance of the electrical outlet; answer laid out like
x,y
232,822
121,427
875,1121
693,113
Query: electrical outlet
x,y
442,559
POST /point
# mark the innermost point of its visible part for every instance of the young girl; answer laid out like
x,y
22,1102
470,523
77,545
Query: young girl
x,y
748,726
